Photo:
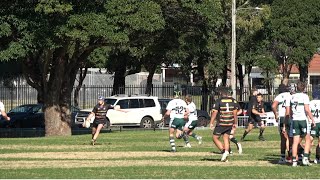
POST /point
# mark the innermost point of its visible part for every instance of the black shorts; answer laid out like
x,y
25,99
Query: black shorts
x,y
96,122
253,118
220,130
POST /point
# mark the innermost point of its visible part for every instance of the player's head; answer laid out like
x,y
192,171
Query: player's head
x,y
292,89
283,88
100,99
301,86
224,91
188,98
259,97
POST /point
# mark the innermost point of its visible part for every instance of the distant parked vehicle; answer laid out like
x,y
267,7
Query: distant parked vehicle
x,y
29,116
203,116
143,111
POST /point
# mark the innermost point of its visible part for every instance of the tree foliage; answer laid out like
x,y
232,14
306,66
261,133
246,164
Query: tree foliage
x,y
54,39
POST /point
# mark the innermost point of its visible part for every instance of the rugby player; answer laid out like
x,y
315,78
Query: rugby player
x,y
224,113
181,112
298,106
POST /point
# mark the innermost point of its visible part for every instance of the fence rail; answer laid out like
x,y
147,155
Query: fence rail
x,y
18,95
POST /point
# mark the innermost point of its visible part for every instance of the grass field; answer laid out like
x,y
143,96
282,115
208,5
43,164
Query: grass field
x,y
143,155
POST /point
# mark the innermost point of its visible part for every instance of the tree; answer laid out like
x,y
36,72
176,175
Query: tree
x,y
53,38
295,33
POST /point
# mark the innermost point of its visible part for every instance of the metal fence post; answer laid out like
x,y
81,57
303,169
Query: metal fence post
x,y
84,96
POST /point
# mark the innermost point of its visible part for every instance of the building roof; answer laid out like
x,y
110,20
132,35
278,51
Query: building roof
x,y
314,65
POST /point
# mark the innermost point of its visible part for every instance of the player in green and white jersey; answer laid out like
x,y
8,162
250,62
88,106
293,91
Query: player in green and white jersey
x,y
315,130
192,122
298,106
279,110
181,112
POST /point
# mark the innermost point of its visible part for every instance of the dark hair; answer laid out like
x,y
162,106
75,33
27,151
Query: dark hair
x,y
283,88
301,86
259,94
189,98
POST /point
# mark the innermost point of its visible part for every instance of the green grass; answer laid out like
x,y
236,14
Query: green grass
x,y
143,155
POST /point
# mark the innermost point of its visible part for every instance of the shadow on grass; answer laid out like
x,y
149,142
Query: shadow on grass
x,y
273,159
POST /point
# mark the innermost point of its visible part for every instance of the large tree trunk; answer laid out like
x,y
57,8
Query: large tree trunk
x,y
152,69
53,73
120,73
303,70
286,71
225,75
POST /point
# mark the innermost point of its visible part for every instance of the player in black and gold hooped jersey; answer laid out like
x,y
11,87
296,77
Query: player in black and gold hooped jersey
x,y
225,112
100,113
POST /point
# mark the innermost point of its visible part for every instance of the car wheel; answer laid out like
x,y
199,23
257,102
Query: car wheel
x,y
202,121
146,123
160,125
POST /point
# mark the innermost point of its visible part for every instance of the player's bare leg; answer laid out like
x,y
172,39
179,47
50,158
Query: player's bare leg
x,y
96,134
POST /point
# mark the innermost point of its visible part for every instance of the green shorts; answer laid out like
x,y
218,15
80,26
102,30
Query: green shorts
x,y
282,123
178,123
315,130
191,124
300,127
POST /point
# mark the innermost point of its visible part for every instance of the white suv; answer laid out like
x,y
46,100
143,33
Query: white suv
x,y
143,111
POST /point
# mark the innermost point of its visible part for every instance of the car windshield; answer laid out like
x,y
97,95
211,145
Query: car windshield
x,y
110,101
25,108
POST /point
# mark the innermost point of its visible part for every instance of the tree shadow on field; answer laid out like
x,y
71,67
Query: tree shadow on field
x,y
273,159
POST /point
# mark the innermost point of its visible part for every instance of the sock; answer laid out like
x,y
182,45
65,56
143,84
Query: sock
x,y
186,139
234,140
172,143
289,153
194,135
283,155
261,131
244,134
294,159
222,151
318,152
306,155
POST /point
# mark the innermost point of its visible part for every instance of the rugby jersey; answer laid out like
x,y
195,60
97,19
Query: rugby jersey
x,y
178,106
282,98
297,102
225,107
100,111
314,108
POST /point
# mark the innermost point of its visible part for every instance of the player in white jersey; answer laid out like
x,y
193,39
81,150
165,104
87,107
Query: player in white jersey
x,y
298,106
279,110
192,122
315,131
181,112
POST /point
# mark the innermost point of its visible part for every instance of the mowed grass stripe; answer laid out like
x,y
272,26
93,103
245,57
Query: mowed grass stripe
x,y
125,163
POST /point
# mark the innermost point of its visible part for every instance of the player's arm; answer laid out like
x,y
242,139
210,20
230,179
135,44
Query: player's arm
x,y
235,116
239,111
4,115
287,114
213,117
214,113
308,112
253,110
118,108
186,113
274,109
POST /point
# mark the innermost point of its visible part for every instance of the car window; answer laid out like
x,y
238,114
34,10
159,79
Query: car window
x,y
110,101
149,103
134,103
141,102
36,109
123,103
20,109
